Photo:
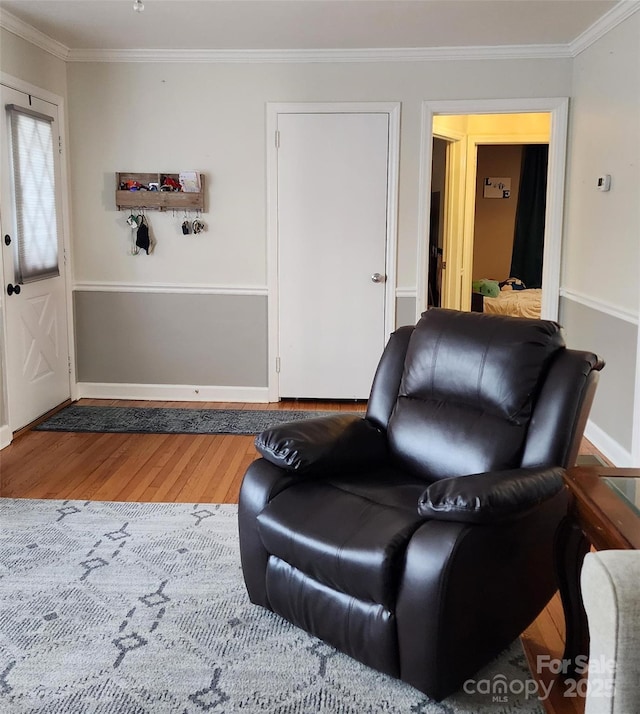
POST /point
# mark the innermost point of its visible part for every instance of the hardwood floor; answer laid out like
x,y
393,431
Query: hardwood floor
x,y
196,469
181,468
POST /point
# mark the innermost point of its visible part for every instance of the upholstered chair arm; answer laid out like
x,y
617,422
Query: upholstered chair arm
x,y
463,572
609,582
263,481
489,497
325,444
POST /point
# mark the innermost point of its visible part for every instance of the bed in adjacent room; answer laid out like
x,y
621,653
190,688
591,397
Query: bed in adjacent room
x,y
519,303
511,298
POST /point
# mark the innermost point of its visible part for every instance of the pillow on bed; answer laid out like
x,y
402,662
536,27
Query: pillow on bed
x,y
484,286
512,284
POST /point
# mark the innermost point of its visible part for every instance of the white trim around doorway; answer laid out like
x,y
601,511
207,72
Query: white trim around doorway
x,y
558,107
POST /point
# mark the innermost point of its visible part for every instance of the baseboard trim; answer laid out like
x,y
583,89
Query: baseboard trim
x,y
171,392
617,454
5,436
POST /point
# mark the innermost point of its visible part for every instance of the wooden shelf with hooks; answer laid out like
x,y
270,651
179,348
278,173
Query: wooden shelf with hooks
x,y
156,200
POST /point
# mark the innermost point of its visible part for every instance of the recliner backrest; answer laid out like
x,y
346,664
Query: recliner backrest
x,y
468,387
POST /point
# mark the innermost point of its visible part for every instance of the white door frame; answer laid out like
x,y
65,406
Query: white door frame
x,y
66,271
558,107
456,168
272,110
635,434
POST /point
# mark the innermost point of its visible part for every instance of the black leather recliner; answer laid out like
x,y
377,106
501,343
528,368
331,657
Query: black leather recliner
x,y
419,540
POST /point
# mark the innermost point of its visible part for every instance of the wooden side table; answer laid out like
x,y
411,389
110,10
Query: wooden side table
x,y
604,512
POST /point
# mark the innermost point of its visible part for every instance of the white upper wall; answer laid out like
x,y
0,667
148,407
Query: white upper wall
x,y
211,118
602,230
29,63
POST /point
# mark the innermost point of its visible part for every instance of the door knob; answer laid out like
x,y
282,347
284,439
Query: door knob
x,y
378,278
13,289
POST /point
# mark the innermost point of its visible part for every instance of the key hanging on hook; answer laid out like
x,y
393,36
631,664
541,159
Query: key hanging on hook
x,y
186,225
198,224
133,222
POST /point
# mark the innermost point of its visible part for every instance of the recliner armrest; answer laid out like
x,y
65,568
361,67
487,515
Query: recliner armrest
x,y
333,442
489,497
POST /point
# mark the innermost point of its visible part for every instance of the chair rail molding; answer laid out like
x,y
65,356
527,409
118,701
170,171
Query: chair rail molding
x,y
178,288
406,293
604,306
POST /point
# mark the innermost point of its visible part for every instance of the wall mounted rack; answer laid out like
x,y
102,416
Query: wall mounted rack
x,y
156,200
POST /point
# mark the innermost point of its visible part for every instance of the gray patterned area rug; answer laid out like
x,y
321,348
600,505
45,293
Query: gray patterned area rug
x,y
159,420
134,608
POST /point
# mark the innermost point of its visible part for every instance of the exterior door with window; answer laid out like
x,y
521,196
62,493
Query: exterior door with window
x,y
35,314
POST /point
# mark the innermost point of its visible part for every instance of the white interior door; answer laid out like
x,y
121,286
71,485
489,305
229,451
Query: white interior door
x,y
332,188
37,352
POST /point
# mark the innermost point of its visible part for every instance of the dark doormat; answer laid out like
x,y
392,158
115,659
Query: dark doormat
x,y
158,420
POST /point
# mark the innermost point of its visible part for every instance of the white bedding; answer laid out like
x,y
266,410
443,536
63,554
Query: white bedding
x,y
519,303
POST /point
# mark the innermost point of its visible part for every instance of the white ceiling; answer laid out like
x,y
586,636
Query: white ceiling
x,y
307,24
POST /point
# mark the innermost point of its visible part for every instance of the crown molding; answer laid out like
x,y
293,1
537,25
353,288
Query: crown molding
x,y
378,54
618,13
27,32
18,27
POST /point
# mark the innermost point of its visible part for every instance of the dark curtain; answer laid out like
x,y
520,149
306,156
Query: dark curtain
x,y
528,240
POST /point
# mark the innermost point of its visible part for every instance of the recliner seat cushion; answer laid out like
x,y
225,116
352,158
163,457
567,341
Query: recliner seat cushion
x,y
467,391
346,541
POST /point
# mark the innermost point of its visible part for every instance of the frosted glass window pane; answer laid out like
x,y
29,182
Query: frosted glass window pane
x,y
35,196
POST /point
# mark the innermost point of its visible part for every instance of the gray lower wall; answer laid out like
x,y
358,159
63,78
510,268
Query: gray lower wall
x,y
177,338
405,311
221,340
615,340
171,338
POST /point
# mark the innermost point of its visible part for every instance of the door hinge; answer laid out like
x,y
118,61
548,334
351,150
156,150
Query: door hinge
x,y
277,364
277,139
444,264
60,145
69,363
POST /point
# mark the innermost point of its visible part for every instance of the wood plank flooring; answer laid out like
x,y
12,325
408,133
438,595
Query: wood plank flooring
x,y
186,468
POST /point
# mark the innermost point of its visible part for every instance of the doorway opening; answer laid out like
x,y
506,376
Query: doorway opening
x,y
501,196
456,243
508,229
